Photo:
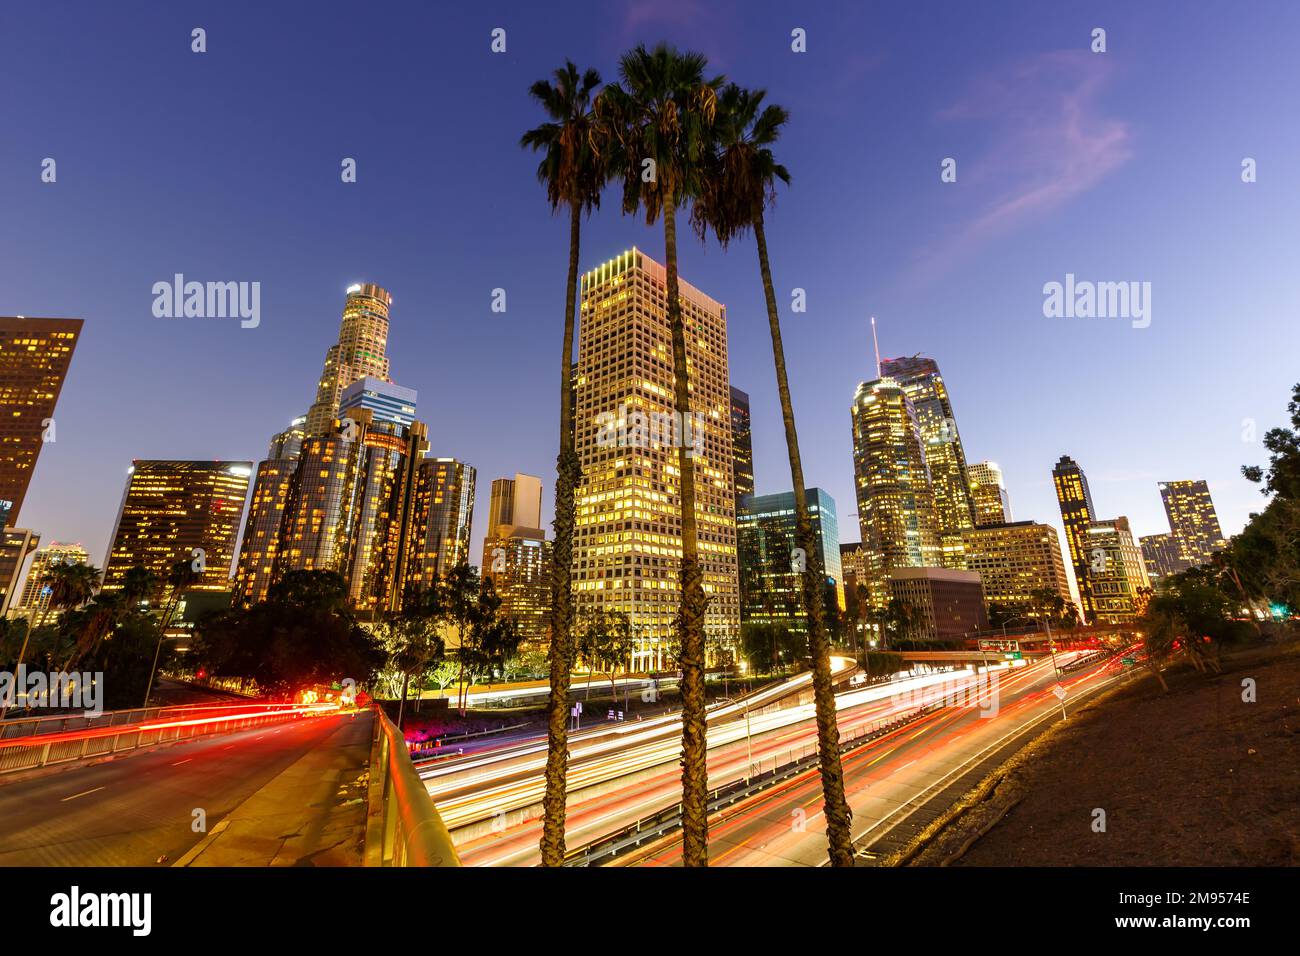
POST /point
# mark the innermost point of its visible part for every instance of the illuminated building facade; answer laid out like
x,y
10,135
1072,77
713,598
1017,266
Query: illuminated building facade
x,y
171,508
988,494
949,602
1192,520
944,455
288,443
1116,572
1077,515
627,542
351,507
444,511
770,565
1014,561
1162,556
34,359
16,544
263,529
35,599
358,353
517,556
892,484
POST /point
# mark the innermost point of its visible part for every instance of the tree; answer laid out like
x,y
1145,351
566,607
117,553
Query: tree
x,y
606,642
1266,556
659,117
738,186
769,648
574,171
180,578
302,634
413,644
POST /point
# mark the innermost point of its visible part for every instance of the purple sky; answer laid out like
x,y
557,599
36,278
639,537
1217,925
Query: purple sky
x,y
1121,166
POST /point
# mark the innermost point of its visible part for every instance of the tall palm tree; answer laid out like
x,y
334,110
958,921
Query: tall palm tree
x,y
659,116
740,183
574,172
180,578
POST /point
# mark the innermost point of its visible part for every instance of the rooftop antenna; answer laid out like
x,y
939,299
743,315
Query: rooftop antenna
x,y
875,343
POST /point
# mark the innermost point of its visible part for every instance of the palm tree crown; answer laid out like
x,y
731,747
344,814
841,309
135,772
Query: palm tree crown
x,y
571,167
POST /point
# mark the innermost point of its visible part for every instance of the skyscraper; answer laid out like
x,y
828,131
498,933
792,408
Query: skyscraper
x,y
1018,564
263,530
742,446
627,543
288,443
1115,572
892,483
36,594
444,511
773,569
34,359
352,507
1162,556
517,556
388,402
953,514
170,510
15,546
988,494
1192,520
1077,514
358,353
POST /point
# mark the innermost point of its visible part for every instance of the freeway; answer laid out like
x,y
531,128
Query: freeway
x,y
138,810
623,778
784,826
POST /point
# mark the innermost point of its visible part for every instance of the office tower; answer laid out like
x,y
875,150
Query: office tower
x,y
351,507
15,546
853,565
949,602
1116,571
444,510
34,359
924,385
627,543
172,508
358,353
741,446
1162,556
1019,564
1077,515
773,569
988,494
517,556
892,484
262,531
35,600
388,402
288,443
1192,520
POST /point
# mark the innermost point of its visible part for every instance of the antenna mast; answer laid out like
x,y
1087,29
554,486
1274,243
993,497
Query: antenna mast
x,y
875,343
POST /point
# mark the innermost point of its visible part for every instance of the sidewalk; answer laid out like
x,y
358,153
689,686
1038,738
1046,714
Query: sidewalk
x,y
312,814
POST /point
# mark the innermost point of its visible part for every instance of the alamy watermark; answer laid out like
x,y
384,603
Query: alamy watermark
x,y
635,428
208,300
78,690
1084,299
964,689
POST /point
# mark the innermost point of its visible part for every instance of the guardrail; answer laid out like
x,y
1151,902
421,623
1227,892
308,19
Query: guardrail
x,y
402,826
34,742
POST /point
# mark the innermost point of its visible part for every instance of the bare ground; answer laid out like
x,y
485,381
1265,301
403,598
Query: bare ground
x,y
1194,777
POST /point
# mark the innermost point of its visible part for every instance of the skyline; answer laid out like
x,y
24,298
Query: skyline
x,y
1132,424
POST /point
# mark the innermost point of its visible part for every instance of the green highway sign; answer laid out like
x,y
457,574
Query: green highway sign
x,y
1127,661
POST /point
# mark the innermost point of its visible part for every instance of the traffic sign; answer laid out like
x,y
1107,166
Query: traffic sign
x,y
1059,691
1128,661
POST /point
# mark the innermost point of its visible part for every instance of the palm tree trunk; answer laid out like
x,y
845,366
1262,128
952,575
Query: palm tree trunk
x,y
695,773
839,818
568,471
401,704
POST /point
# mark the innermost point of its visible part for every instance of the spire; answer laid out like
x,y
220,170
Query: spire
x,y
875,343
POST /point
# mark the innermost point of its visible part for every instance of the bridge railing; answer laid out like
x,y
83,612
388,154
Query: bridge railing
x,y
33,742
402,826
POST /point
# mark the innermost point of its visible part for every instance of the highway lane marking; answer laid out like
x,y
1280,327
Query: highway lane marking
x,y
82,794
179,762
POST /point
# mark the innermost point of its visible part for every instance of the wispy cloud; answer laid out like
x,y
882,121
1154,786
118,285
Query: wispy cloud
x,y
1049,138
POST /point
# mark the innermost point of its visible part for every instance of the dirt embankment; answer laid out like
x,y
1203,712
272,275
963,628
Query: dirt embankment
x,y
1194,777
